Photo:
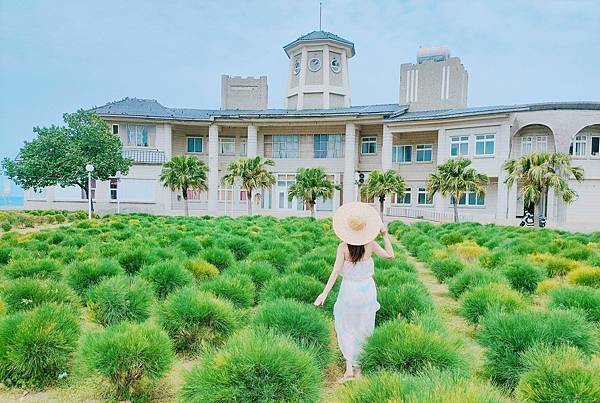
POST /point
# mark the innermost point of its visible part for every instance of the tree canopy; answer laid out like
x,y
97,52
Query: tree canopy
x,y
183,173
253,174
311,184
380,184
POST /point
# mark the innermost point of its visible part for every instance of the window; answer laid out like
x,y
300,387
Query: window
x,y
578,146
368,145
137,136
227,145
325,204
243,195
266,198
328,146
225,194
423,197
405,199
193,194
459,145
541,144
595,152
195,145
115,129
470,199
284,181
285,146
526,145
243,147
92,190
484,144
402,154
424,152
114,188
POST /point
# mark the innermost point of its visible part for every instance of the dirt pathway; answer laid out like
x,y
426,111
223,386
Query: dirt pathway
x,y
37,228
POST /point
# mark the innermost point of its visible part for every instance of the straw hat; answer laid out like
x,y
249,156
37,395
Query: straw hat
x,y
356,223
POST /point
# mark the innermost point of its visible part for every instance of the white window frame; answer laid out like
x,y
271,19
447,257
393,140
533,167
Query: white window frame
x,y
196,195
113,129
459,141
225,194
138,136
368,140
334,146
285,146
187,139
407,192
115,189
229,142
597,155
579,146
539,141
423,148
94,184
468,202
398,153
526,145
243,147
428,201
485,139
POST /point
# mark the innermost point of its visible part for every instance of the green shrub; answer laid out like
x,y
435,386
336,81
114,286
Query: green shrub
x,y
522,275
120,298
470,278
507,336
578,253
37,346
254,367
451,238
277,257
302,322
27,293
395,278
405,301
446,268
559,266
201,269
294,286
126,355
260,272
221,258
317,268
478,302
5,253
82,275
166,277
494,259
190,246
239,289
32,267
6,226
195,319
239,246
132,261
585,275
577,297
405,347
559,374
382,386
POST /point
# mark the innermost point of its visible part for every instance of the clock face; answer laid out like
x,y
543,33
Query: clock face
x,y
314,64
335,65
297,67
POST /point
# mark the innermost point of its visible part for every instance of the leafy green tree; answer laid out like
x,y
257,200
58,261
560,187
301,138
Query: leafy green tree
x,y
454,178
311,183
183,173
253,173
59,154
380,184
538,173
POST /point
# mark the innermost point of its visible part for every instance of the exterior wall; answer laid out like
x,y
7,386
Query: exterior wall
x,y
244,93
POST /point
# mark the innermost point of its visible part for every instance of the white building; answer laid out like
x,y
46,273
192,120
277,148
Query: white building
x,y
319,127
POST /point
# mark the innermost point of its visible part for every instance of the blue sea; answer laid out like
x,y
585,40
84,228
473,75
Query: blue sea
x,y
11,201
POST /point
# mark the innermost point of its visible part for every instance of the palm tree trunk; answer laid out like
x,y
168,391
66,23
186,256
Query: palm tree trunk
x,y
249,197
311,205
537,211
381,202
455,206
186,208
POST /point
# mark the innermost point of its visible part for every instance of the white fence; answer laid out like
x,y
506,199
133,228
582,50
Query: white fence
x,y
427,214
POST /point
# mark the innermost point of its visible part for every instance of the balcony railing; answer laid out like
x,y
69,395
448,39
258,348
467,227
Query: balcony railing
x,y
155,157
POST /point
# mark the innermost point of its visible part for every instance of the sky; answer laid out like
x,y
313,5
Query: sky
x,y
58,56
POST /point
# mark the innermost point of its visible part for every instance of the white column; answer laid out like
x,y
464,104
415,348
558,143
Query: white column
x,y
349,162
506,198
168,141
439,202
552,210
251,144
326,70
213,168
386,149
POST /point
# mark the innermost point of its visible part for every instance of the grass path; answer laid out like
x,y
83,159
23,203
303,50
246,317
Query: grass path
x,y
447,307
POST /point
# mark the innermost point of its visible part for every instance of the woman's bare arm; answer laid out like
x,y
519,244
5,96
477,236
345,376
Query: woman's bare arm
x,y
337,268
388,252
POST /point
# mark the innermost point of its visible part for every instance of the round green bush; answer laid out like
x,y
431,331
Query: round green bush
x,y
239,246
132,261
260,272
559,374
446,268
126,355
293,286
579,253
201,269
507,336
405,301
302,322
470,278
5,253
254,367
280,258
382,386
190,246
32,267
583,298
585,275
394,277
559,266
451,238
522,275
239,289
195,319
166,277
27,293
120,298
82,275
478,302
221,258
37,346
406,347
317,268
494,259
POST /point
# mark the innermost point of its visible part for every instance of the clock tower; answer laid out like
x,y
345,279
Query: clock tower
x,y
318,71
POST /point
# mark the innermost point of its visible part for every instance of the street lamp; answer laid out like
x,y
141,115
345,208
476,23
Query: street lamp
x,y
118,191
89,168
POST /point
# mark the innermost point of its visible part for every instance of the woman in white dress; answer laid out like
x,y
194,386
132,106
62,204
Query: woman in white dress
x,y
357,225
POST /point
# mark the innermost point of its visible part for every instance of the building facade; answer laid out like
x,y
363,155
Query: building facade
x,y
319,127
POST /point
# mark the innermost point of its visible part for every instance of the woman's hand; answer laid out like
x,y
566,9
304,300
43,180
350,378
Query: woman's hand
x,y
320,299
383,230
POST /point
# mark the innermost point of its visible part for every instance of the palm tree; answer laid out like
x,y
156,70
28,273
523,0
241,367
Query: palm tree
x,y
253,173
380,184
454,178
311,183
538,173
183,173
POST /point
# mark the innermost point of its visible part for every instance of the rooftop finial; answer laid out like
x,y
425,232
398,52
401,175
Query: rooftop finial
x,y
320,14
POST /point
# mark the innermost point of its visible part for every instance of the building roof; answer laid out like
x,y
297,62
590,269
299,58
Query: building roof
x,y
316,36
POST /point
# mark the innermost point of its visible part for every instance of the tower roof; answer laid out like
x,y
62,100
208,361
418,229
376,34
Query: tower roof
x,y
318,36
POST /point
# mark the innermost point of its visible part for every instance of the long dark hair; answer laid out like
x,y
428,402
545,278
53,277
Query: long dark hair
x,y
356,252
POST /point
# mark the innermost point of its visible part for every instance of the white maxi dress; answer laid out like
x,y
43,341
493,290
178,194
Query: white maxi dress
x,y
355,308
